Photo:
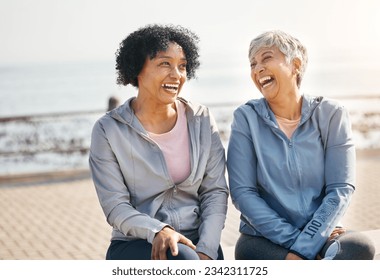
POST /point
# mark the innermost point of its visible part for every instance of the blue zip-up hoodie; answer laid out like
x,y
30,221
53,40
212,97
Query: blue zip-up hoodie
x,y
292,191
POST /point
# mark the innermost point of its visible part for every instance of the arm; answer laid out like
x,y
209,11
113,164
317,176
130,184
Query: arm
x,y
166,239
113,194
340,180
213,194
242,173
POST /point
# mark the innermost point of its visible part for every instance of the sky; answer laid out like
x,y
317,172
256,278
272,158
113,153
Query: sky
x,y
71,30
342,38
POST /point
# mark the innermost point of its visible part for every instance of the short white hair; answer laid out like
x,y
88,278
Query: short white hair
x,y
291,47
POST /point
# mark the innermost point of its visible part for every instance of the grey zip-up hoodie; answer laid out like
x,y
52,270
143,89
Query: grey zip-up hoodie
x,y
135,190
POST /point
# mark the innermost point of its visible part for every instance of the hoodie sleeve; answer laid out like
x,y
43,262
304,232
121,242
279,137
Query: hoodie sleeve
x,y
113,194
213,194
340,180
242,166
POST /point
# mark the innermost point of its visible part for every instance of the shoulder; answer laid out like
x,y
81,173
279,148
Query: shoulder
x,y
195,108
321,106
104,120
320,102
100,126
332,104
251,108
328,113
329,106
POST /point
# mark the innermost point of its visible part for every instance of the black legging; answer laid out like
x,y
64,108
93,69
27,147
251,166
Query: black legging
x,y
141,250
347,246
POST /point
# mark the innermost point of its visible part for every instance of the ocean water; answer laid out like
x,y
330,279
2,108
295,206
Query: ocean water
x,y
82,86
53,143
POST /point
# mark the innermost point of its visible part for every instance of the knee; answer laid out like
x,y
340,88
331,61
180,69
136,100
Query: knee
x,y
364,247
245,249
356,246
184,253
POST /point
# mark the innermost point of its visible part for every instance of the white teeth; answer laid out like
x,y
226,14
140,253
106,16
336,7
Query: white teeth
x,y
170,85
173,88
264,79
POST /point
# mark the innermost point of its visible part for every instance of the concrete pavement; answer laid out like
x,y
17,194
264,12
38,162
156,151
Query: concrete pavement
x,y
59,218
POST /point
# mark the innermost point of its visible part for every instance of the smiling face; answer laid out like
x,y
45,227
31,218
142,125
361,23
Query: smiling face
x,y
272,74
163,76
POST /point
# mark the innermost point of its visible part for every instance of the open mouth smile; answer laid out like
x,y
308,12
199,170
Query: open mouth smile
x,y
266,81
173,88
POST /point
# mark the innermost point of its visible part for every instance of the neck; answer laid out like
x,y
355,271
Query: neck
x,y
156,118
289,107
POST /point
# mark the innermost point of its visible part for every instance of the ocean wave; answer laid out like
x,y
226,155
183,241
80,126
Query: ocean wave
x,y
55,142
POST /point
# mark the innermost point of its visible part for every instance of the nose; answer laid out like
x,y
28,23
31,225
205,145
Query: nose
x,y
175,72
259,68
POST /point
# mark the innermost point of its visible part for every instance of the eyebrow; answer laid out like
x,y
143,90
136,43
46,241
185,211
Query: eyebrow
x,y
168,57
266,52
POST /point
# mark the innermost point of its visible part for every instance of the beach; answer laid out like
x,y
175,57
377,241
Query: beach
x,y
57,74
49,207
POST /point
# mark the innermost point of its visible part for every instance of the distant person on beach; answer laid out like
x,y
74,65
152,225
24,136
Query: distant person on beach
x,y
157,161
113,102
291,163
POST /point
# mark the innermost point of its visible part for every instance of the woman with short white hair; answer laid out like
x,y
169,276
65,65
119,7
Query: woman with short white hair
x,y
291,163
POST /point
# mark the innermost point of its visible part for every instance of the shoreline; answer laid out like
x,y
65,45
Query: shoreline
x,y
59,142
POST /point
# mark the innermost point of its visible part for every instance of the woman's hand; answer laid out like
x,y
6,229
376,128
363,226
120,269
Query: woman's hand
x,y
293,257
165,239
203,256
336,232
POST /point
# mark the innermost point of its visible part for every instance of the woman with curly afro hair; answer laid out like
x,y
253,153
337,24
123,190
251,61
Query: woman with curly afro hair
x,y
157,161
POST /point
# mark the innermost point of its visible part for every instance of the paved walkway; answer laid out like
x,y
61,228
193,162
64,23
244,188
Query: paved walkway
x,y
61,219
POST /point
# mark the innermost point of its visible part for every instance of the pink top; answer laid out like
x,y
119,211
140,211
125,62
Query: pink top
x,y
175,146
287,126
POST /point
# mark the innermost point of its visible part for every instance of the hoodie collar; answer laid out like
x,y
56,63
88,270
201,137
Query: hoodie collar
x,y
309,103
125,114
261,106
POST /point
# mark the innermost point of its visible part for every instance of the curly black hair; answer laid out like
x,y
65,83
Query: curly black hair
x,y
147,42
